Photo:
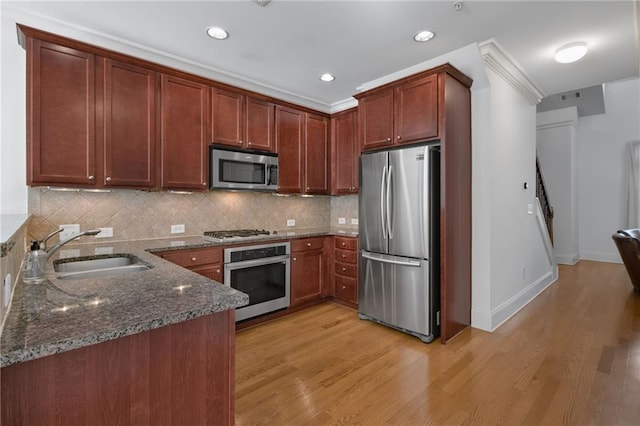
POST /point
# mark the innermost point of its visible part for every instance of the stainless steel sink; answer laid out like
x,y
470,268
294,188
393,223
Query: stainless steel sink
x,y
98,266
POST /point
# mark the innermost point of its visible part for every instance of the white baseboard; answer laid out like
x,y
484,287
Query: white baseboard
x,y
567,259
509,308
481,319
600,256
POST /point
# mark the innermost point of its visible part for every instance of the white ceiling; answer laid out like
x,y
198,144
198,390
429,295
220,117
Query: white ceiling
x,y
286,45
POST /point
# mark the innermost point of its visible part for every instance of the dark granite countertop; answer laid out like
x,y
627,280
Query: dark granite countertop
x,y
61,315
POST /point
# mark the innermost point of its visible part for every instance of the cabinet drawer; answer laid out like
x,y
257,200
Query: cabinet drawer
x,y
189,258
346,269
346,288
346,256
346,243
303,244
213,272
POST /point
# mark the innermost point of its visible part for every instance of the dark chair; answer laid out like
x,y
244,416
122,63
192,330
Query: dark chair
x,y
628,243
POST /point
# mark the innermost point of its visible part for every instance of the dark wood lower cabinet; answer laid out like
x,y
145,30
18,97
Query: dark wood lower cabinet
x,y
181,374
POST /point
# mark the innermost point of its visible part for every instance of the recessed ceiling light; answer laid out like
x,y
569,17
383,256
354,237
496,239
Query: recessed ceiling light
x,y
217,33
571,52
327,77
425,35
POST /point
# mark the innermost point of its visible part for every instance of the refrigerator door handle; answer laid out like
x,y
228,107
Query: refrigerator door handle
x,y
392,260
426,201
389,202
383,220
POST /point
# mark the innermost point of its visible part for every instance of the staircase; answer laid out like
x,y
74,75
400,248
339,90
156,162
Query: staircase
x,y
543,197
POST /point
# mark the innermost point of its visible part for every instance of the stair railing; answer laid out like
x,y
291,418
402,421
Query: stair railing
x,y
541,194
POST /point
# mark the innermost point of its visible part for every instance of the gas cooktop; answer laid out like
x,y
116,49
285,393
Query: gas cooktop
x,y
239,234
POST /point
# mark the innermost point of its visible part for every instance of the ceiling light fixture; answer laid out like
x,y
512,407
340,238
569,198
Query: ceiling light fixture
x,y
571,52
327,77
425,35
217,33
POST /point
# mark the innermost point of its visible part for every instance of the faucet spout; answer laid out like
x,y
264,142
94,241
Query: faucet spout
x,y
55,248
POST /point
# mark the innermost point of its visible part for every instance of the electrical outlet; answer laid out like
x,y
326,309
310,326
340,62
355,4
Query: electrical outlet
x,y
291,222
342,221
177,229
6,291
105,233
69,231
529,208
354,221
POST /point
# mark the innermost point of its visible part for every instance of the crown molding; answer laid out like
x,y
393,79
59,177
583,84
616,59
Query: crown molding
x,y
499,61
106,41
343,105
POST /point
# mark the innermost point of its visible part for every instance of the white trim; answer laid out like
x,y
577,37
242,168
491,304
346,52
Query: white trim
x,y
600,256
498,60
481,320
567,259
568,123
544,233
343,105
512,306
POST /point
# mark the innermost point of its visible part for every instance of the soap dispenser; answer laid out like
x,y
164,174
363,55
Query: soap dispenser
x,y
35,264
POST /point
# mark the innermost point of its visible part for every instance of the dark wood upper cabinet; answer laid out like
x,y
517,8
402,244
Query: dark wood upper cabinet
x,y
302,146
345,152
316,155
404,112
185,133
129,125
242,121
417,110
290,140
61,115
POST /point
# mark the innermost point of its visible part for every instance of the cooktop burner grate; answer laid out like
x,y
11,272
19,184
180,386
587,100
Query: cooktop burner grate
x,y
235,234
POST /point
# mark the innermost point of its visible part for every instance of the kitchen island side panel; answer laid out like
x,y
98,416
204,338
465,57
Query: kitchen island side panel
x,y
174,375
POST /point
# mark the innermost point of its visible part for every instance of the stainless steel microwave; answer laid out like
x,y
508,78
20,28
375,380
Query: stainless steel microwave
x,y
233,169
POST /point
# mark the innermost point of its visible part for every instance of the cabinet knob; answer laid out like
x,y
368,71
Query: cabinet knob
x,y
398,137
204,183
217,271
344,256
344,287
193,259
344,269
295,258
308,244
91,178
248,143
240,142
344,244
108,179
388,139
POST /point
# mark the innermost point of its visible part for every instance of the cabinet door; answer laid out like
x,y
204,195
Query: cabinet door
x,y
228,117
61,115
184,133
417,110
316,155
376,119
129,125
259,125
344,154
289,139
306,276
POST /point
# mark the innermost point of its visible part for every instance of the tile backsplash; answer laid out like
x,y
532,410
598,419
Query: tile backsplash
x,y
137,214
11,256
345,206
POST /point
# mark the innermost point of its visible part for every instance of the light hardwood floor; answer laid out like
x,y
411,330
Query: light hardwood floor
x,y
572,356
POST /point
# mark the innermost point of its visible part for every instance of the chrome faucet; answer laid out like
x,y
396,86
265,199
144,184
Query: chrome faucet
x,y
55,248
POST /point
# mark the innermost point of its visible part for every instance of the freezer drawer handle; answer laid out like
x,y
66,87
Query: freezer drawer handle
x,y
393,261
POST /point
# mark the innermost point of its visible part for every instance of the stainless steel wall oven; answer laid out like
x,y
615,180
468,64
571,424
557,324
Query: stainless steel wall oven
x,y
262,272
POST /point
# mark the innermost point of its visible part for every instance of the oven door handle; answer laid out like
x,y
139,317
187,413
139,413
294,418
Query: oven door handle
x,y
256,262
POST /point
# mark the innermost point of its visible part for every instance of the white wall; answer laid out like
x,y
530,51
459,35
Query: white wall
x,y
13,189
602,140
557,150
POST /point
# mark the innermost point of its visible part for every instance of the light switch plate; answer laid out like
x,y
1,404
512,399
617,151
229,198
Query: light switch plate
x,y
69,231
105,233
354,221
291,222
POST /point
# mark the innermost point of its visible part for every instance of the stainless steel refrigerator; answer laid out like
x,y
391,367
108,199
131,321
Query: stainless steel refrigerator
x,y
399,233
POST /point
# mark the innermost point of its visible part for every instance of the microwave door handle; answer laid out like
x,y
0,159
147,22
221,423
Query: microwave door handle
x,y
269,174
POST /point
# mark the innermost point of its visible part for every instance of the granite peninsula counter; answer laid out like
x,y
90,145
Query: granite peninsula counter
x,y
60,315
